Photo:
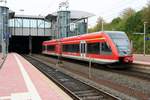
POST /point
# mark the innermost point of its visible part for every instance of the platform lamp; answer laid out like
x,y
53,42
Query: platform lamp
x,y
144,37
4,2
102,28
22,12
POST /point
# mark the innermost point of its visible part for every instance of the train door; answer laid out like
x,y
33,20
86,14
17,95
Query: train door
x,y
83,49
46,48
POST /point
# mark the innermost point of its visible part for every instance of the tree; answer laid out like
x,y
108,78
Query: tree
x,y
100,21
134,23
116,20
120,26
98,26
114,24
127,13
146,15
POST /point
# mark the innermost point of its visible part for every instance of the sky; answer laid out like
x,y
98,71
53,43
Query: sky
x,y
108,9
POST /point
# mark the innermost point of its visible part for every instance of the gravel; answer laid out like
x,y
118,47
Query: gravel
x,y
136,84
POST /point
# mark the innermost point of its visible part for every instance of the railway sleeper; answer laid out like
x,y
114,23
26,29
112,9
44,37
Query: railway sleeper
x,y
84,91
88,94
99,97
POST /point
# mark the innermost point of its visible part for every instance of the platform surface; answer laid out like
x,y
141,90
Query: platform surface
x,y
141,59
1,59
19,80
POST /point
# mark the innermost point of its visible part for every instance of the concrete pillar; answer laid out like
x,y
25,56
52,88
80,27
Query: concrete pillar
x,y
30,44
4,32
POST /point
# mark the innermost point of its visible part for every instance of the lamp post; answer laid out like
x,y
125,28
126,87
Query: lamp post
x,y
102,25
144,37
21,25
3,3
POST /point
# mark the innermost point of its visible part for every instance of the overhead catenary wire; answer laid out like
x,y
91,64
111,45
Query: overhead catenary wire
x,y
110,16
116,7
113,12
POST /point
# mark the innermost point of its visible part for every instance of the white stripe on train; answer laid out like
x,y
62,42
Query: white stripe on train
x,y
101,61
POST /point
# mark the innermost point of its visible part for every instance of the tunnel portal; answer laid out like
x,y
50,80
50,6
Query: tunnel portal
x,y
20,44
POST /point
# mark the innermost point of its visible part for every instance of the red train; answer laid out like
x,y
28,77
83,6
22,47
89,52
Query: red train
x,y
101,47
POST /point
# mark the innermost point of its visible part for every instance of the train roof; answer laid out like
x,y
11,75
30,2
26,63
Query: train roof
x,y
114,32
49,41
80,37
92,35
85,36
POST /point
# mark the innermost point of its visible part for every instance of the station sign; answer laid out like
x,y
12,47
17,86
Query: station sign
x,y
147,38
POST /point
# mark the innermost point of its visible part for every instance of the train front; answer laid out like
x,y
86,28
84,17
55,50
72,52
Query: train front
x,y
123,46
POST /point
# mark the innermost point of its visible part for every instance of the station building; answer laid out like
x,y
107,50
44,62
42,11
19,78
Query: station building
x,y
25,33
28,32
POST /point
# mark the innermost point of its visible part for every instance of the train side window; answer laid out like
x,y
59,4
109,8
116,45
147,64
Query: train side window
x,y
93,48
43,48
65,48
51,47
71,48
105,48
76,47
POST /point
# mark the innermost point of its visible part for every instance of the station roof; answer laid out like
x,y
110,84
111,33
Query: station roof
x,y
51,17
11,14
29,16
75,14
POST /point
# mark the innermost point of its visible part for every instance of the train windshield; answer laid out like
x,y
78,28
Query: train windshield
x,y
121,41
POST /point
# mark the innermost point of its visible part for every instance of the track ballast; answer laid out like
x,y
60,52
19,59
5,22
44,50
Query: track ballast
x,y
77,89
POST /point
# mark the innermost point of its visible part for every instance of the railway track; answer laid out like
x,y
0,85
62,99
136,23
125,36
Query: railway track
x,y
78,89
131,73
129,82
128,72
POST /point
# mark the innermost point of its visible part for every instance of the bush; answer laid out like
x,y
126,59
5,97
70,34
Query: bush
x,y
138,43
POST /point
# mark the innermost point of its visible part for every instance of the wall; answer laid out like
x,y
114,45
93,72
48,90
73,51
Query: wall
x,y
4,35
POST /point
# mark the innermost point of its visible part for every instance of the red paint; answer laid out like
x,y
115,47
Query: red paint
x,y
89,38
44,89
11,79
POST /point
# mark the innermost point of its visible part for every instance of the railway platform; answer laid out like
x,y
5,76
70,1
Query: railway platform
x,y
20,80
141,59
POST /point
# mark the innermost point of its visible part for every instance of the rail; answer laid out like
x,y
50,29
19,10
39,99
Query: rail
x,y
77,89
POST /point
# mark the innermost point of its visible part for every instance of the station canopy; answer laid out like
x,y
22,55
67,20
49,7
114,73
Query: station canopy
x,y
75,14
11,14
